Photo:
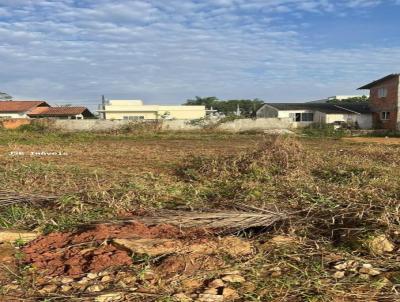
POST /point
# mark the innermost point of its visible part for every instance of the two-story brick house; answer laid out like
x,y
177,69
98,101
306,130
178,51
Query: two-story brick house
x,y
385,102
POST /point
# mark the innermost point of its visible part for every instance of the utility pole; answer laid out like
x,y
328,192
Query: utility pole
x,y
238,110
103,107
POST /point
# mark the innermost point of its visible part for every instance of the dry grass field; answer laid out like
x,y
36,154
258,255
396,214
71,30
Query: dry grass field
x,y
336,239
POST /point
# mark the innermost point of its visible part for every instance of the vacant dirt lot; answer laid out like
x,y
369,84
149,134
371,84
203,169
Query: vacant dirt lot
x,y
106,208
376,140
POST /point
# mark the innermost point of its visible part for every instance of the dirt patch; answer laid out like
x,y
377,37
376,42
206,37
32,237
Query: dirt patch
x,y
376,140
189,264
74,254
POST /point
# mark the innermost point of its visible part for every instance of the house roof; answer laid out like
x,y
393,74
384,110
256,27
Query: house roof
x,y
324,107
374,83
58,111
362,107
20,106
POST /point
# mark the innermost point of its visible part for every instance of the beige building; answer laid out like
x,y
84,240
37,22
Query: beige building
x,y
136,110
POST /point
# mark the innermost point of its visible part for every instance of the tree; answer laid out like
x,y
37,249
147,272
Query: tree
x,y
357,99
5,97
248,108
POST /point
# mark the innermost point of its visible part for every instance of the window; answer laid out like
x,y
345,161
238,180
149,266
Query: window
x,y
302,117
133,118
385,115
382,92
307,117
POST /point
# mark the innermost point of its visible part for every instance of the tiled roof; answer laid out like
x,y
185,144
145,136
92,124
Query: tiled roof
x,y
374,83
323,107
20,106
57,111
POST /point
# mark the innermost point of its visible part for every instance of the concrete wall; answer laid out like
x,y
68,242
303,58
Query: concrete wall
x,y
14,123
13,115
239,125
260,124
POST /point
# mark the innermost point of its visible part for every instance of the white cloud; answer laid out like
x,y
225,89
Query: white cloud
x,y
166,51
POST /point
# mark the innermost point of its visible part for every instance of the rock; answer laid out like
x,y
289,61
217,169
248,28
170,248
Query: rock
x,y
276,272
234,279
235,246
129,280
210,298
155,247
211,291
190,285
7,252
369,270
380,245
92,276
95,288
106,279
216,283
78,287
109,297
67,280
149,275
83,281
341,266
230,294
338,275
12,236
181,297
367,266
151,247
348,265
66,288
48,289
122,284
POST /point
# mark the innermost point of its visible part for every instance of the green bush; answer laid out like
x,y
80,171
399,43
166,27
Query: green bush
x,y
323,130
34,127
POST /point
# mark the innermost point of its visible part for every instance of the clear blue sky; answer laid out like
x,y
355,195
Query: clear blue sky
x,y
70,51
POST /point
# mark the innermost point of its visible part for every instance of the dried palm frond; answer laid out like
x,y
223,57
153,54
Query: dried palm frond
x,y
8,198
226,222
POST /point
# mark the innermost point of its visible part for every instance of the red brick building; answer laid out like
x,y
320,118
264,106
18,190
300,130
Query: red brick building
x,y
385,102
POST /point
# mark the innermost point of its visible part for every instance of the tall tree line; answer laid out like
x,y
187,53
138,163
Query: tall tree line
x,y
248,108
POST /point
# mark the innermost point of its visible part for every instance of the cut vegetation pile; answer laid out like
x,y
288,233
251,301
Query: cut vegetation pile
x,y
282,219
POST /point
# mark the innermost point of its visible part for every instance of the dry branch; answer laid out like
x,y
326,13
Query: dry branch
x,y
8,198
227,222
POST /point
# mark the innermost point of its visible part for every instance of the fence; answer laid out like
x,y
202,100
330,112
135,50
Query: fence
x,y
239,125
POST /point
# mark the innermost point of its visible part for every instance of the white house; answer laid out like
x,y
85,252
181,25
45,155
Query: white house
x,y
136,110
303,114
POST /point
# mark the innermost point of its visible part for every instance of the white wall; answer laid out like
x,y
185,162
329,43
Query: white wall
x,y
285,114
363,120
173,125
13,115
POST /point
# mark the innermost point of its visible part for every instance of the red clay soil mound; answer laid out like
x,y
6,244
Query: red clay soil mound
x,y
74,254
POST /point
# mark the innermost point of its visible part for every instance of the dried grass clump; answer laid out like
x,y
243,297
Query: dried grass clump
x,y
139,127
274,156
